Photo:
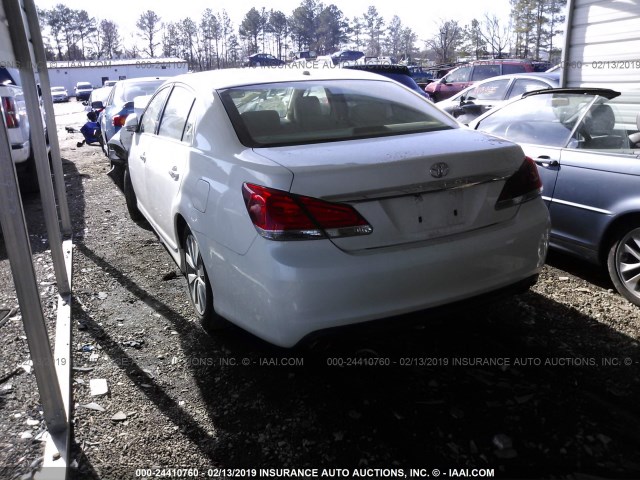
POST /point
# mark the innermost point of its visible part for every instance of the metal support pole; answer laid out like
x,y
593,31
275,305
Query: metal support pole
x,y
16,240
19,39
568,32
56,161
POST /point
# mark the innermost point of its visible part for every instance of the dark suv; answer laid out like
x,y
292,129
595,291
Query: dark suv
x,y
399,73
464,76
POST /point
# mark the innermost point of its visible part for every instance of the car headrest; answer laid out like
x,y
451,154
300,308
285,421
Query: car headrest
x,y
261,122
306,108
600,120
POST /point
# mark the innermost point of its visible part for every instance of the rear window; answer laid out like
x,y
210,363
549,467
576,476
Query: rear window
x,y
310,112
84,85
139,89
510,68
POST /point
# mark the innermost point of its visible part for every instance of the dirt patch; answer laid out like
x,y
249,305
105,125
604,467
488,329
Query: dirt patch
x,y
540,385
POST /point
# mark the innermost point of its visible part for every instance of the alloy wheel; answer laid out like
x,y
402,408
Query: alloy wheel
x,y
627,263
196,277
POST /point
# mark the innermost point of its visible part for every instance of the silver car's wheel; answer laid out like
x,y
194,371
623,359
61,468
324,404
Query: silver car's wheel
x,y
198,285
196,278
624,264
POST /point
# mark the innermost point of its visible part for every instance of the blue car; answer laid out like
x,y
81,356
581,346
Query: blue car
x,y
586,144
119,103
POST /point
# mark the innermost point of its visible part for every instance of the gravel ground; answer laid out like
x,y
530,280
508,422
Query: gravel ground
x,y
542,385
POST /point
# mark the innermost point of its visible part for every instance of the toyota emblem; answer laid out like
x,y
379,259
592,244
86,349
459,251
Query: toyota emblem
x,y
439,170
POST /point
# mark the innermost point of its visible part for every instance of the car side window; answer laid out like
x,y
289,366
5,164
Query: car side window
x,y
480,72
151,115
604,128
175,113
459,75
494,90
510,68
524,85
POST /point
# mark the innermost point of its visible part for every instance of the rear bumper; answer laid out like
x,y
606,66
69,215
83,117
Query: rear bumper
x,y
283,291
20,152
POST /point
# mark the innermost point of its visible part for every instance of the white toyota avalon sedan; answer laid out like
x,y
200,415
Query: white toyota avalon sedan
x,y
298,200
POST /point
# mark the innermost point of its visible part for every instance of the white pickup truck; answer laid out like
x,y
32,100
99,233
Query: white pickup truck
x,y
13,110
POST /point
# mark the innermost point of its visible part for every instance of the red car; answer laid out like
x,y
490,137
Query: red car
x,y
462,77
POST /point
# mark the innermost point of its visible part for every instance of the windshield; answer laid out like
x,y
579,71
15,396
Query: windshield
x,y
311,112
547,118
57,89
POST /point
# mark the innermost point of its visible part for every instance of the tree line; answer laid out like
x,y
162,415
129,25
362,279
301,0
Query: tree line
x,y
213,41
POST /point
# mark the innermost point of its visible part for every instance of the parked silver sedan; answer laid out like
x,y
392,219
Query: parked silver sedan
x,y
495,91
586,143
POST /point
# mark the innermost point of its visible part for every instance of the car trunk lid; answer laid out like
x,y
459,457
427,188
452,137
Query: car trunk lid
x,y
410,188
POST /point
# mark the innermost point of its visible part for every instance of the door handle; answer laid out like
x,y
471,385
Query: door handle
x,y
143,157
173,173
545,161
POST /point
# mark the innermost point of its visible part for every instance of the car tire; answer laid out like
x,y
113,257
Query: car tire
x,y
131,199
623,263
198,284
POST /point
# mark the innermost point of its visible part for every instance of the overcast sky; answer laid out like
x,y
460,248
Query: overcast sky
x,y
421,16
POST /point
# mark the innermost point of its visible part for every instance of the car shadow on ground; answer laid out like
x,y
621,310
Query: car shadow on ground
x,y
34,214
526,386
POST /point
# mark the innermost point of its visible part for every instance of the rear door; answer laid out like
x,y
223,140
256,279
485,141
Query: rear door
x,y
167,161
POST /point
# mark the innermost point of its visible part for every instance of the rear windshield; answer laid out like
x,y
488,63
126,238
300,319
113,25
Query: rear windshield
x,y
130,91
310,112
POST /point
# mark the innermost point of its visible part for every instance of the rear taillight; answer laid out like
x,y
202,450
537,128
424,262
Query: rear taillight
x,y
278,215
118,120
10,112
522,186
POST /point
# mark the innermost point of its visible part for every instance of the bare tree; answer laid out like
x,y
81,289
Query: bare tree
x,y
149,25
446,41
497,35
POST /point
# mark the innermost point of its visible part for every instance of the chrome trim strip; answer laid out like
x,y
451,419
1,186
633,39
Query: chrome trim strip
x,y
417,189
579,205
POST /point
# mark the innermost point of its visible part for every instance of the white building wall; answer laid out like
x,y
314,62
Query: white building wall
x,y
67,74
602,46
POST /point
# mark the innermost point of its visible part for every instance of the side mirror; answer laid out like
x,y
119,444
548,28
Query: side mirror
x,y
443,81
85,103
131,123
98,105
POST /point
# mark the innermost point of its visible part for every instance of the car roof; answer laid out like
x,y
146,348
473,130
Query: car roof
x,y
139,80
236,77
